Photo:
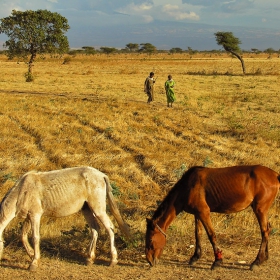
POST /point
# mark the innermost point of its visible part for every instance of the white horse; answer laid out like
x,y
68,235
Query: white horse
x,y
60,193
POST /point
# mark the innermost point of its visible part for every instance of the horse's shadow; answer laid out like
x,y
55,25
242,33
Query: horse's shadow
x,y
206,265
57,248
9,264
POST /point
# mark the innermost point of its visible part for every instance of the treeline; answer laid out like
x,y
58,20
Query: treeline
x,y
150,49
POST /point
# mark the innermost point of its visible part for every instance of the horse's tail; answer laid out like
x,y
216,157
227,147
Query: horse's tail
x,y
115,211
11,203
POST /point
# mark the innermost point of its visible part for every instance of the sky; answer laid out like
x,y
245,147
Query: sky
x,y
164,23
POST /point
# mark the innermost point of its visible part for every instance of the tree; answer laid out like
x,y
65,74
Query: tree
x,y
231,44
191,51
254,50
132,47
89,50
176,50
108,50
32,33
148,48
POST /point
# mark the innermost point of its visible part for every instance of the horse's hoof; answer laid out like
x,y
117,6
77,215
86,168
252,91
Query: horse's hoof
x,y
192,261
254,267
216,264
113,263
89,262
32,267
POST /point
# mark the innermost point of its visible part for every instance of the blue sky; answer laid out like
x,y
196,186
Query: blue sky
x,y
164,23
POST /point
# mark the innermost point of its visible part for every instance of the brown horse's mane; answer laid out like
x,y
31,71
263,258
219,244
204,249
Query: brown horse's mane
x,y
172,194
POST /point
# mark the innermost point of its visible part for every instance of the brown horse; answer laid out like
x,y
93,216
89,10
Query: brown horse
x,y
223,190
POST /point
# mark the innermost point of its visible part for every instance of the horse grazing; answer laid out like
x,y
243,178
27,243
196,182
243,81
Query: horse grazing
x,y
61,193
222,190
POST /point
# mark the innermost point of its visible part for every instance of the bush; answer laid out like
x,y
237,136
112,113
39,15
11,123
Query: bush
x,y
29,77
67,60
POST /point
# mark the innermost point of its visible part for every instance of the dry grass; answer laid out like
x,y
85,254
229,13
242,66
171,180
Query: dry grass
x,y
92,111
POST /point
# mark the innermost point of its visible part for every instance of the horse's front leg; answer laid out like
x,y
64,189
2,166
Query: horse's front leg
x,y
206,221
35,224
198,233
4,221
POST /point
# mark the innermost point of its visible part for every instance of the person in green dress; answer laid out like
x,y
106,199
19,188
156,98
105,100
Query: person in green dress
x,y
169,88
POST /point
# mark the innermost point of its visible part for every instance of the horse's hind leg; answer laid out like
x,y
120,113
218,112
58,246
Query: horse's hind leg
x,y
24,238
103,217
265,230
93,224
198,234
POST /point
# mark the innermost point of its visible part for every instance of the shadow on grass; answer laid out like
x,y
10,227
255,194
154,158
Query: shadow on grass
x,y
71,246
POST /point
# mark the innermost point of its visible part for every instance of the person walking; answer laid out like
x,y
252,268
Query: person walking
x,y
149,87
169,88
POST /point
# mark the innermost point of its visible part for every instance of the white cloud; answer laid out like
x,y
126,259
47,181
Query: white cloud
x,y
148,19
176,12
6,9
143,7
19,5
135,9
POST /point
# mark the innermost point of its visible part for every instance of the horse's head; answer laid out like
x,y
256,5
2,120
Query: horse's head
x,y
155,242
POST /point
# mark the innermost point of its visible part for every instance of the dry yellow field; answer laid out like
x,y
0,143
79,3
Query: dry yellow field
x,y
93,111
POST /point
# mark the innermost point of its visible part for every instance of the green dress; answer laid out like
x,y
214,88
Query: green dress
x,y
169,88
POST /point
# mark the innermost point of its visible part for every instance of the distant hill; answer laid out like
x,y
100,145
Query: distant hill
x,y
166,35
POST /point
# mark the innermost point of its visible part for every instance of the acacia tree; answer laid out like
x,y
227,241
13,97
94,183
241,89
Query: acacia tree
x,y
148,48
132,47
176,50
108,50
231,44
89,50
34,32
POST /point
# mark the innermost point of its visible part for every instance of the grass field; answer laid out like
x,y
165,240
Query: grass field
x,y
93,111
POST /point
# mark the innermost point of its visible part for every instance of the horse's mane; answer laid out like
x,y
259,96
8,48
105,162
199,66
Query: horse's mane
x,y
172,194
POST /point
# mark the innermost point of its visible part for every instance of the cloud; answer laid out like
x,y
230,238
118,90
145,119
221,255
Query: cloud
x,y
176,12
148,19
143,12
227,6
204,3
135,9
7,7
234,6
105,6
142,7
